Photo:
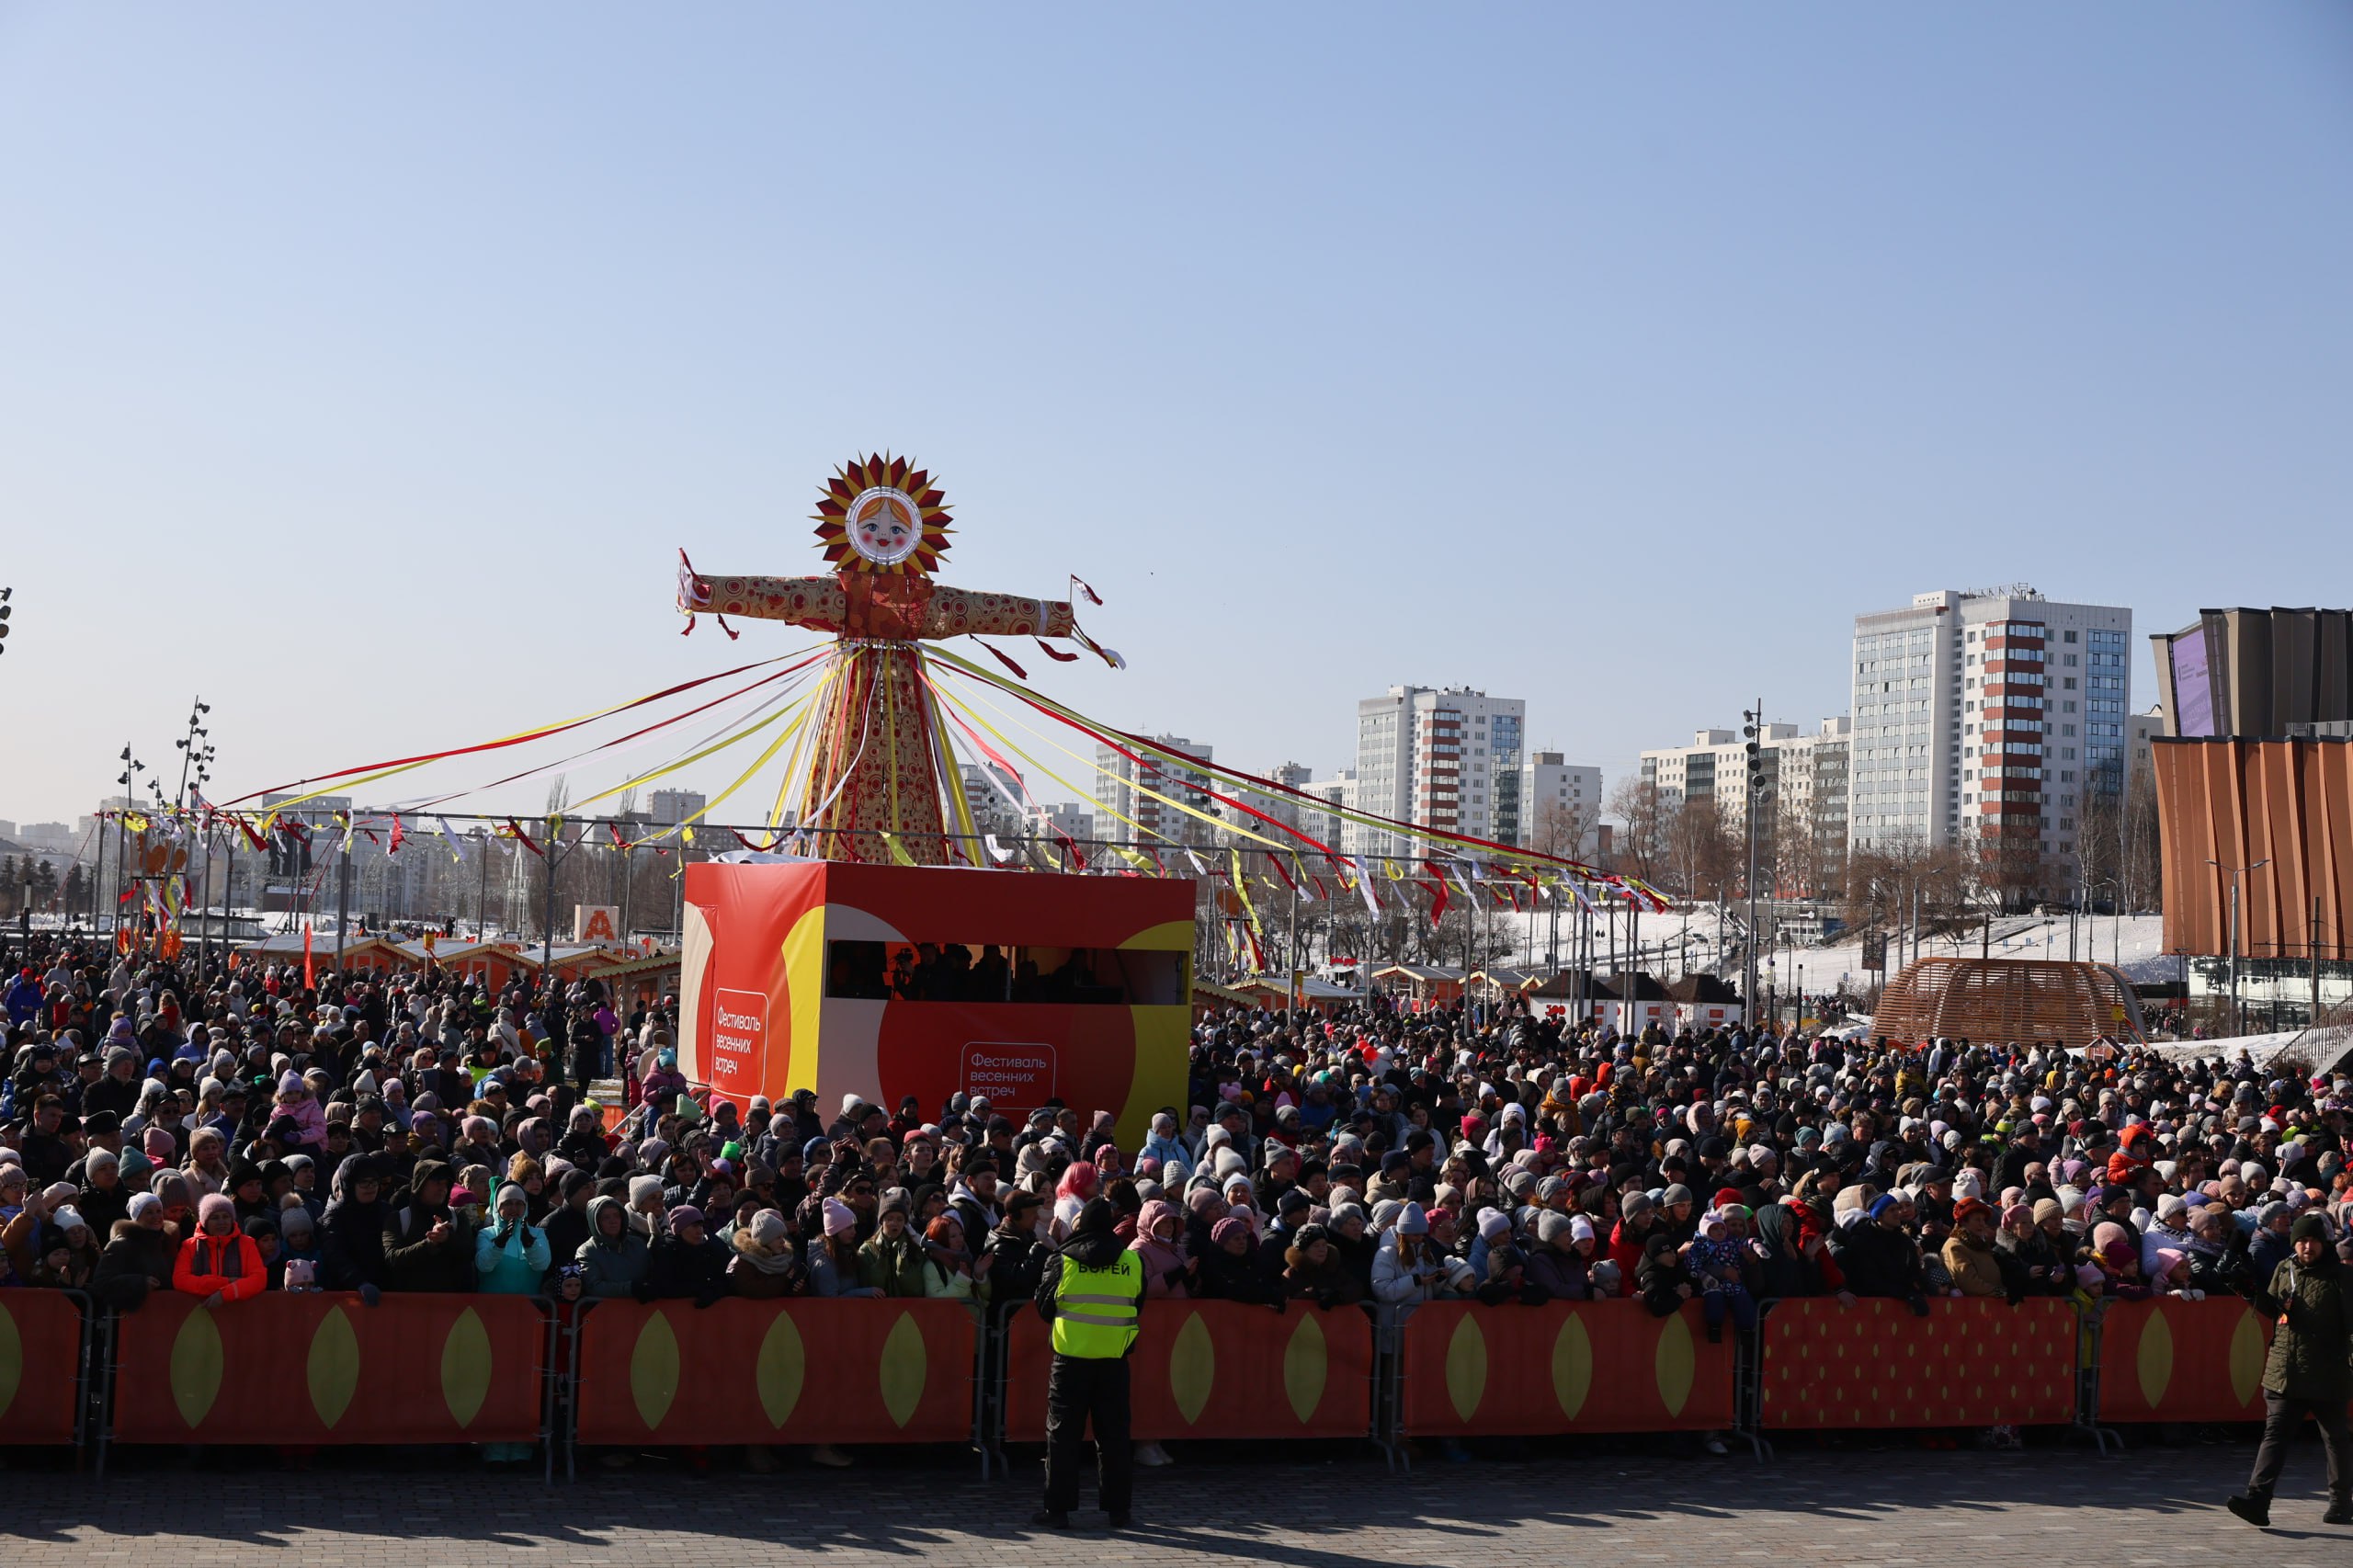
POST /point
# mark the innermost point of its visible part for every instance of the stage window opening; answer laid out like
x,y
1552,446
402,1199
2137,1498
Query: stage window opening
x,y
993,971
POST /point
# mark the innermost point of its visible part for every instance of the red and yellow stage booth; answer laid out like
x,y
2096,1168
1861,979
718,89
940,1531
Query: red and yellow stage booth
x,y
888,981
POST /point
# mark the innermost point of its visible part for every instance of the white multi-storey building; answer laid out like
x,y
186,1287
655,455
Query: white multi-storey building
x,y
1988,714
1117,795
1444,758
991,794
1558,810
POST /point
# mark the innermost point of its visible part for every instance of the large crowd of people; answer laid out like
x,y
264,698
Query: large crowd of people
x,y
229,1130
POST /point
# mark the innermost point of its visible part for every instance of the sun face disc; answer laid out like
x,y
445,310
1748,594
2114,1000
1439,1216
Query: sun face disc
x,y
880,514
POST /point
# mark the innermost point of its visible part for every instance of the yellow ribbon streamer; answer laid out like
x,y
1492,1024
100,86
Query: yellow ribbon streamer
x,y
1242,887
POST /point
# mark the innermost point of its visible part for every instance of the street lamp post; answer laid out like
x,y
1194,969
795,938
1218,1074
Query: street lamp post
x,y
2238,1020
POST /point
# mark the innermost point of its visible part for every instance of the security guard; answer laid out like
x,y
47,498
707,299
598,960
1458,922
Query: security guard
x,y
1091,1291
2310,1371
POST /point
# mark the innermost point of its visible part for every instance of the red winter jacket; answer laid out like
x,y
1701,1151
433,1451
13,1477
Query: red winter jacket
x,y
231,1265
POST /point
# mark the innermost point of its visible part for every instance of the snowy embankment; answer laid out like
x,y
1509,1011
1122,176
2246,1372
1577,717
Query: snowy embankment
x,y
1673,944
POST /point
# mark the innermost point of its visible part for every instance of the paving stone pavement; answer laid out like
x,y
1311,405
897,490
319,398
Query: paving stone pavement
x,y
1898,1505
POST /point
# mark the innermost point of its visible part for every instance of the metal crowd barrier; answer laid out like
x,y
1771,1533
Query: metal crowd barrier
x,y
2188,1362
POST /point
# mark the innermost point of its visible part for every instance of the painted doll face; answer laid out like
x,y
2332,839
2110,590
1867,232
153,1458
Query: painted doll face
x,y
884,529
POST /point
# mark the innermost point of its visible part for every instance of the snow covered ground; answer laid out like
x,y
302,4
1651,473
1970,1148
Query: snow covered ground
x,y
1673,944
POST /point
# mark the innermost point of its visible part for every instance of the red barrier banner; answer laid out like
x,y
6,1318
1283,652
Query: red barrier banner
x,y
41,1356
2175,1360
854,1370
1472,1370
306,1366
1968,1363
1217,1370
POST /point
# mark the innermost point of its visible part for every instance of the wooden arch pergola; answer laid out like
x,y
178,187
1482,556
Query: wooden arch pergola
x,y
1999,1000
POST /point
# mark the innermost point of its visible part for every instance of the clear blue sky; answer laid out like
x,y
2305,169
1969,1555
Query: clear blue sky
x,y
365,367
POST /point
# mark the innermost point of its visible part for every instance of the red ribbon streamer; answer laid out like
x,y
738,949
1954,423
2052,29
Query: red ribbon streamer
x,y
1002,658
510,741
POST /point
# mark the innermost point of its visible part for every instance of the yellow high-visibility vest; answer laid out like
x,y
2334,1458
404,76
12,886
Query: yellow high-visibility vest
x,y
1095,1309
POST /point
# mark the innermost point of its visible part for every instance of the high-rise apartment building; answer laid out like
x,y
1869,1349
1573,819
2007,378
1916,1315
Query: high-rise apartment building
x,y
1117,795
1445,758
1986,715
669,806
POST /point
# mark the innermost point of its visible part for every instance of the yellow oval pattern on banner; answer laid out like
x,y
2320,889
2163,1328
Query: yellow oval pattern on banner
x,y
906,1365
332,1369
1192,1369
465,1368
654,1371
780,1368
2153,1362
1676,1363
1466,1367
1572,1366
1306,1364
2249,1350
12,1359
196,1366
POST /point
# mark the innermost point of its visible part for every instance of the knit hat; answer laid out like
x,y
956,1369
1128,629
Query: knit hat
x,y
1413,1221
1495,1225
213,1206
685,1214
840,1217
2309,1228
144,1204
1552,1227
2047,1209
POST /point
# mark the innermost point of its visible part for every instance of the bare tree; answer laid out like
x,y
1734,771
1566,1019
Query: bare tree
x,y
1800,867
2012,871
1560,829
1646,815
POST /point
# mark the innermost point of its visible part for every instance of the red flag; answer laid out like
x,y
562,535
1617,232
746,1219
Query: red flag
x,y
1053,652
309,973
398,833
619,842
1438,900
1276,862
514,830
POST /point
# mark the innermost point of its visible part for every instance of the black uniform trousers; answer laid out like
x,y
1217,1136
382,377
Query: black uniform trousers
x,y
2281,1417
1079,1387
